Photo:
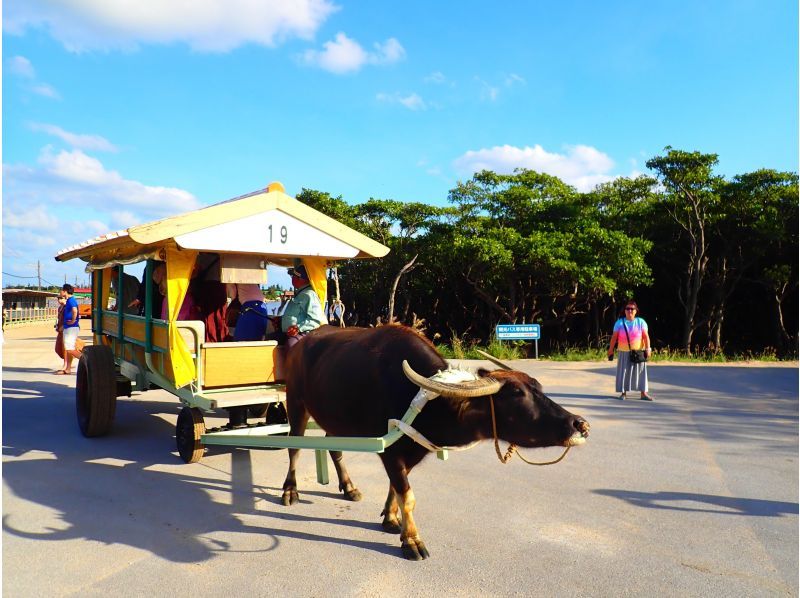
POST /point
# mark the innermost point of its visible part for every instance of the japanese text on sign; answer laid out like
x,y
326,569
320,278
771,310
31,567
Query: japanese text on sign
x,y
511,332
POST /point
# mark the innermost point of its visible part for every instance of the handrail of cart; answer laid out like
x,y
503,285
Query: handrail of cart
x,y
257,437
164,382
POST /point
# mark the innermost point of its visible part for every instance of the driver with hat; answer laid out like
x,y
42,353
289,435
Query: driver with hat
x,y
304,311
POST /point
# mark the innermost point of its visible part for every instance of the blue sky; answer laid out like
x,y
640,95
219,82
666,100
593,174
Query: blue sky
x,y
114,116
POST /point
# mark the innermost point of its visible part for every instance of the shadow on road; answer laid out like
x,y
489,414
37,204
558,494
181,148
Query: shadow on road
x,y
704,503
122,489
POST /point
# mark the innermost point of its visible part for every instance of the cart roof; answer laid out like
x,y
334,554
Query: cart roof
x,y
267,222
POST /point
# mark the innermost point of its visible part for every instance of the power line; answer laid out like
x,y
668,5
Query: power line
x,y
29,277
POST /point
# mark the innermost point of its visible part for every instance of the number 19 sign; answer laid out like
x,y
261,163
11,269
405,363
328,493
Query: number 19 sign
x,y
519,332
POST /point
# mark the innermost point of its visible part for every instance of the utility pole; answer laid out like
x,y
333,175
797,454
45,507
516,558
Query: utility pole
x,y
39,274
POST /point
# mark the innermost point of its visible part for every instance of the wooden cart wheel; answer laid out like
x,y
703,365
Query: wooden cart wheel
x,y
258,411
188,430
276,413
96,391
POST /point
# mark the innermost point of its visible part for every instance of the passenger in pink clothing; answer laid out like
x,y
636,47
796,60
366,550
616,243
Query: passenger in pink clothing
x,y
188,309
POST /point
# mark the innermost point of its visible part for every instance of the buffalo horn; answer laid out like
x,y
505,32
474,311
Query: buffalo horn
x,y
494,360
461,390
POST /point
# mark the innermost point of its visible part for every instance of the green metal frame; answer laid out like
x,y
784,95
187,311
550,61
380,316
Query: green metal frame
x,y
260,437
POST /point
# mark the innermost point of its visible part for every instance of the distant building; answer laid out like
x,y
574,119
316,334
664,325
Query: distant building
x,y
28,298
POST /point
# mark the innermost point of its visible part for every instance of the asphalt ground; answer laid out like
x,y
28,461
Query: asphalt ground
x,y
695,494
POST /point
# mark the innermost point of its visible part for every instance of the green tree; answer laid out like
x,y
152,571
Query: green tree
x,y
533,249
690,195
756,215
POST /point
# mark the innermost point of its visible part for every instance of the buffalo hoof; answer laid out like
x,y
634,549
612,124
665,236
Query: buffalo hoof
x,y
352,493
414,550
289,497
391,526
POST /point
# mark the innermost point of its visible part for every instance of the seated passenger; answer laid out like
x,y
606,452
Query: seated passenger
x,y
188,311
129,292
159,273
303,313
252,322
210,298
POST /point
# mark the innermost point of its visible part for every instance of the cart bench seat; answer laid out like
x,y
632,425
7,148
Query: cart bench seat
x,y
241,363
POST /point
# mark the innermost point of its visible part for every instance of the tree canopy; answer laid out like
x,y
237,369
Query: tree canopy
x,y
701,255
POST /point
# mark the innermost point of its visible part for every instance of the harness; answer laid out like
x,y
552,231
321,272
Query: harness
x,y
421,399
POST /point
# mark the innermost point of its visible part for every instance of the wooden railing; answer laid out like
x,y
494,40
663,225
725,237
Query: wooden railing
x,y
29,315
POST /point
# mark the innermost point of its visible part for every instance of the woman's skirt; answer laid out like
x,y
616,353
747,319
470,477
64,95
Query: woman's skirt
x,y
630,376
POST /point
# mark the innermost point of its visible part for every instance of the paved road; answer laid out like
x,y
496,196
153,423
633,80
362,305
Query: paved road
x,y
693,495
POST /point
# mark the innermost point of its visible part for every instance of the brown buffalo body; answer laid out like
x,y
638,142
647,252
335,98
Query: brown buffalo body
x,y
351,382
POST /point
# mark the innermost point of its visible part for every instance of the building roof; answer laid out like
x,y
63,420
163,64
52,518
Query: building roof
x,y
29,293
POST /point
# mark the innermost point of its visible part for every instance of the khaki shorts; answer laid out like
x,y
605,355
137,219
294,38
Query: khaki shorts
x,y
70,336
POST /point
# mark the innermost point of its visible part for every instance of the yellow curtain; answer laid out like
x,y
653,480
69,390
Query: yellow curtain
x,y
317,276
179,270
105,292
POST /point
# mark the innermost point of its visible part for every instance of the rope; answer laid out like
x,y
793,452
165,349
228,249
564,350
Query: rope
x,y
417,437
512,448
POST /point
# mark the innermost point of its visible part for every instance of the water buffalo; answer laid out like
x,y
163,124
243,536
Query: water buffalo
x,y
351,381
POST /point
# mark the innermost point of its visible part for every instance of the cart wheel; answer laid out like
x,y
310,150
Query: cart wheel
x,y
258,411
188,430
276,414
96,391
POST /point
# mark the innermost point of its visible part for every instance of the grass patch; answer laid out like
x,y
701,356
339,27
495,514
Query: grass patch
x,y
507,351
577,354
461,349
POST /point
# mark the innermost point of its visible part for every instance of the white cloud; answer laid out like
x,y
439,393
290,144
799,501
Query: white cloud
x,y
76,140
35,218
123,219
76,178
488,92
411,101
22,67
90,174
345,55
491,92
19,65
514,79
77,167
68,197
43,89
435,77
387,53
582,166
204,25
30,242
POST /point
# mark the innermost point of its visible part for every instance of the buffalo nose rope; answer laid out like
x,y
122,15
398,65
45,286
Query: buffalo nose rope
x,y
512,448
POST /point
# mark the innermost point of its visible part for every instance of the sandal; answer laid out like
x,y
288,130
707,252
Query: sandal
x,y
646,397
621,397
60,373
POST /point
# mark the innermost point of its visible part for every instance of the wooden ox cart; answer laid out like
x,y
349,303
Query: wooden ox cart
x,y
245,380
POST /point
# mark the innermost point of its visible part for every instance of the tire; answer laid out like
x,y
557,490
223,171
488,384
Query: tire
x,y
96,391
188,430
258,411
276,413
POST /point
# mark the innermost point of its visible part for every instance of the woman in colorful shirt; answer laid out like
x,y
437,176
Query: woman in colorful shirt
x,y
630,333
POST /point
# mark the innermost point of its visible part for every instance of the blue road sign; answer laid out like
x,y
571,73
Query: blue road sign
x,y
518,332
